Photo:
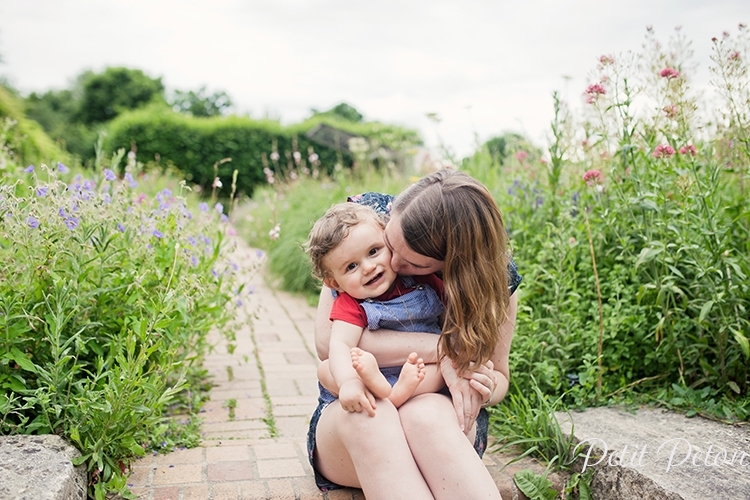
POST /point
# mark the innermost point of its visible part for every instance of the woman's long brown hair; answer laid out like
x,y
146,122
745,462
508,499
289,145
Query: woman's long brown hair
x,y
452,217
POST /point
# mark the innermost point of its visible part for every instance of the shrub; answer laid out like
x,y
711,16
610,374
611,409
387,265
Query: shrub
x,y
194,145
106,299
30,143
634,246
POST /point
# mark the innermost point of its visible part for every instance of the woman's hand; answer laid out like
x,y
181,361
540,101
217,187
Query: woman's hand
x,y
467,401
484,381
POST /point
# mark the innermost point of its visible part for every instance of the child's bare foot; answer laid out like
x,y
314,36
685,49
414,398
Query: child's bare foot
x,y
368,370
411,376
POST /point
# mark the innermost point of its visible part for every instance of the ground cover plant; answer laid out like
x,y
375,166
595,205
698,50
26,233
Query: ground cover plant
x,y
109,286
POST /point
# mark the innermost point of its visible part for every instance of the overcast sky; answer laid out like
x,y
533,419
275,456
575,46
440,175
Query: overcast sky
x,y
484,66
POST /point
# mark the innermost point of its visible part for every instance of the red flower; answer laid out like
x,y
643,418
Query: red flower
x,y
688,149
663,151
669,73
592,176
595,89
670,110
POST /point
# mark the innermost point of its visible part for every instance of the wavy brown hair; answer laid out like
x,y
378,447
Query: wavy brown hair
x,y
452,217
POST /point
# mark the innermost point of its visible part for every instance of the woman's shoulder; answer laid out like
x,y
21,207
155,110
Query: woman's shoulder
x,y
380,202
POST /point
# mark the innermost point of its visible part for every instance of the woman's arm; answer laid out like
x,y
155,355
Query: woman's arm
x,y
488,384
389,347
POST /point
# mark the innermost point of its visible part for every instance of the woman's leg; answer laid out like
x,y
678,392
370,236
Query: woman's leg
x,y
354,449
444,454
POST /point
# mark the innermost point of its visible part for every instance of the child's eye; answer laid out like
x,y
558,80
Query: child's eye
x,y
373,251
351,266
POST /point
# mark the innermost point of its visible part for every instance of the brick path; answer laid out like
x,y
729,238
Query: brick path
x,y
238,458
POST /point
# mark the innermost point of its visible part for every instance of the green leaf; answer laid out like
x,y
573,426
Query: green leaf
x,y
22,361
733,385
742,341
534,486
647,255
705,310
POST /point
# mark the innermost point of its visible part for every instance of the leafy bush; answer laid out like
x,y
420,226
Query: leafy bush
x,y
634,245
194,145
106,299
30,143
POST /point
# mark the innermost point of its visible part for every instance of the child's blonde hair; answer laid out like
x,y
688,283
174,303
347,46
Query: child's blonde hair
x,y
331,229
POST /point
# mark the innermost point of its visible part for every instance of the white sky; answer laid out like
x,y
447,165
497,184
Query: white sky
x,y
484,66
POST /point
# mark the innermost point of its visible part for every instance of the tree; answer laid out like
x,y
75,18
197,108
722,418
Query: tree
x,y
342,110
106,95
199,104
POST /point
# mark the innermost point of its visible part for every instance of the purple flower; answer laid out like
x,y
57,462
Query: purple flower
x,y
120,227
194,260
61,212
62,168
41,191
131,182
107,198
109,174
166,192
33,222
224,218
29,169
71,222
88,185
192,241
203,206
158,233
219,208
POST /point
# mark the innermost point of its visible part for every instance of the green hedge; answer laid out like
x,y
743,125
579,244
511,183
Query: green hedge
x,y
25,137
194,145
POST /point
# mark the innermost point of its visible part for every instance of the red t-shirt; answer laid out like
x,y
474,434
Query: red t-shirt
x,y
348,309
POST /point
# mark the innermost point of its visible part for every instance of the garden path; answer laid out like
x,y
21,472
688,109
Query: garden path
x,y
270,378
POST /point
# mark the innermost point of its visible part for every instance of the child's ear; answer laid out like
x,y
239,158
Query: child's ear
x,y
331,283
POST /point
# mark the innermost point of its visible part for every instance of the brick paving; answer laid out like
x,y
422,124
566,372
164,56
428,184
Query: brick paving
x,y
238,458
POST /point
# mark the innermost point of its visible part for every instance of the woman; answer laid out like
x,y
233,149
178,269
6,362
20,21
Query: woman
x,y
431,446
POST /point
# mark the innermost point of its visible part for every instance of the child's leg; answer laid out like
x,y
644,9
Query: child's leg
x,y
433,380
368,370
326,379
411,376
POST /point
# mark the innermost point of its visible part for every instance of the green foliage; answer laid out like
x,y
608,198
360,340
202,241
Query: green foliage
x,y
194,145
200,104
534,486
667,249
116,90
57,112
106,301
342,111
29,142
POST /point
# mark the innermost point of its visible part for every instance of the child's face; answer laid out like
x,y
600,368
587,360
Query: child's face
x,y
360,265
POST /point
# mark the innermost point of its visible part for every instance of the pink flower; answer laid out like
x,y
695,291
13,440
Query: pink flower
x,y
669,73
605,60
521,156
592,176
595,89
734,56
688,149
670,110
663,151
